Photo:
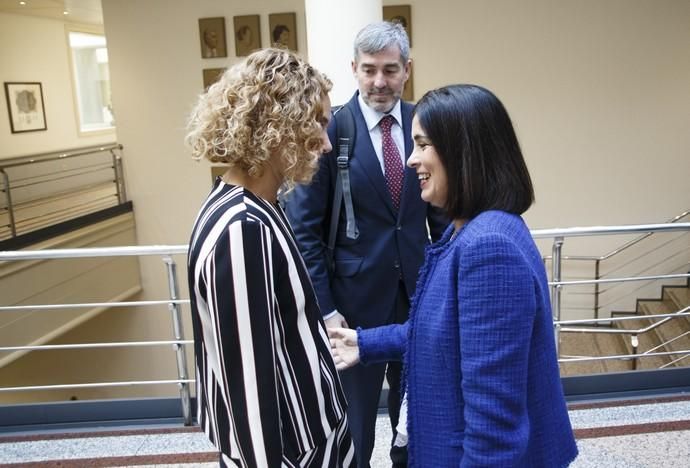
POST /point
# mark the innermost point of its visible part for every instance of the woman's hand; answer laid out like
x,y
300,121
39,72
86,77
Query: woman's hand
x,y
344,348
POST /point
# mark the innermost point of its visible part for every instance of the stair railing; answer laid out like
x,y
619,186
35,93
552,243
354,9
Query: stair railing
x,y
666,343
560,235
598,260
34,188
634,334
174,303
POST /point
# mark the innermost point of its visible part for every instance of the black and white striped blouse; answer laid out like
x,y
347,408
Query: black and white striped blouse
x,y
267,389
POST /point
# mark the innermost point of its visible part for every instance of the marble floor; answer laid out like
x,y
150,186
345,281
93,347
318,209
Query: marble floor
x,y
631,434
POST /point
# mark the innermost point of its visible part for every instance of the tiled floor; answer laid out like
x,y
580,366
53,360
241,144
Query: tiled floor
x,y
639,434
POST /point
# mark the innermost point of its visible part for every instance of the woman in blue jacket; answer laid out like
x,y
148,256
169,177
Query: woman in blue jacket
x,y
482,380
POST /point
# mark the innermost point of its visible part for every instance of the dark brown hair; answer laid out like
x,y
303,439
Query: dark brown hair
x,y
473,135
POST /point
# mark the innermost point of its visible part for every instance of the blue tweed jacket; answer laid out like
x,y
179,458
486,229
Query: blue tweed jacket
x,y
481,371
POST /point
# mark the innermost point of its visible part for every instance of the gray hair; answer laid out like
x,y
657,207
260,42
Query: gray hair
x,y
375,37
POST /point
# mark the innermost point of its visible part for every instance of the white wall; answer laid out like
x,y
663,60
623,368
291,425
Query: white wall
x,y
156,76
36,50
598,91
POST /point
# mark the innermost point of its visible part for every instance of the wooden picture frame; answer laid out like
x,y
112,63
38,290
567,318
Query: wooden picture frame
x,y
401,14
247,33
25,106
211,75
282,28
408,90
212,37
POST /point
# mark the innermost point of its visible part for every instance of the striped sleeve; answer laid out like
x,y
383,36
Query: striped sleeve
x,y
240,275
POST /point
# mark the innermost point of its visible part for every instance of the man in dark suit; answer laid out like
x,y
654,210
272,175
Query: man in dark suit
x,y
375,273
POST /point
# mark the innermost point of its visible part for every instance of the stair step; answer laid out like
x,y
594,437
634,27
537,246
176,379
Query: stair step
x,y
596,345
680,296
611,345
671,329
579,344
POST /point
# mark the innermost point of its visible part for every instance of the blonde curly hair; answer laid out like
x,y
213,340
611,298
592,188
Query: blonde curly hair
x,y
269,104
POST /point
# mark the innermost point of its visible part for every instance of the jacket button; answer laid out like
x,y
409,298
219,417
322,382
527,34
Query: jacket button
x,y
396,265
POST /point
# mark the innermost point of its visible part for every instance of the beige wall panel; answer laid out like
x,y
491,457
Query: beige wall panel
x,y
66,281
35,49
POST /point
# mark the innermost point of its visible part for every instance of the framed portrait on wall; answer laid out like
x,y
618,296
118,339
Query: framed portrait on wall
x,y
408,90
25,107
283,30
211,75
247,34
212,37
400,14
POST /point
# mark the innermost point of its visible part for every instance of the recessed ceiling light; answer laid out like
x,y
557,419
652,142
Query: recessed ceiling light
x,y
22,3
65,12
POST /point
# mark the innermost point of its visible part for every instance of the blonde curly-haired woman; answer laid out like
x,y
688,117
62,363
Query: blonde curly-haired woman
x,y
268,392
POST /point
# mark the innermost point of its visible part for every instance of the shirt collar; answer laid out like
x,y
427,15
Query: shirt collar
x,y
373,117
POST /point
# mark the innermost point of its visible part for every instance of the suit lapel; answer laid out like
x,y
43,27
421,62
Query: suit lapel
x,y
365,155
410,179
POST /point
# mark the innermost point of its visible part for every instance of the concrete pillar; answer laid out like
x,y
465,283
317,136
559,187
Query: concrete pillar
x,y
331,29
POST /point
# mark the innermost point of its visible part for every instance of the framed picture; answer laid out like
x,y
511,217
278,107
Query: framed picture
x,y
212,37
247,34
399,14
408,90
25,106
211,75
283,30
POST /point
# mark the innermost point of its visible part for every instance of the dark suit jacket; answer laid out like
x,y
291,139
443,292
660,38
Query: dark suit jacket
x,y
390,245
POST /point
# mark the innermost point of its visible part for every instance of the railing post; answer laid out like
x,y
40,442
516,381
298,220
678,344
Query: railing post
x,y
556,288
597,265
10,208
635,342
179,335
119,177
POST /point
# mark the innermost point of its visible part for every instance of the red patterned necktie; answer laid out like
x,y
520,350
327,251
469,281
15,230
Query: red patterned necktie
x,y
392,162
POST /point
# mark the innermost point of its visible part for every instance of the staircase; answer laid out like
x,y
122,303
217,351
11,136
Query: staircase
x,y
673,299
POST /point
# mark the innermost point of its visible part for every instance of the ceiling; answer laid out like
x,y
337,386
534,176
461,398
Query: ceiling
x,y
78,11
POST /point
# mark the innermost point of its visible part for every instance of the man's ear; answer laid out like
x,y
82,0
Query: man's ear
x,y
408,69
354,67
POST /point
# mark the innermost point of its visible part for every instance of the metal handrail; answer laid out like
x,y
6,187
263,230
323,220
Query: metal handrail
x,y
621,356
615,251
178,343
181,382
182,249
666,318
557,258
608,230
56,156
122,344
93,252
174,302
619,280
16,224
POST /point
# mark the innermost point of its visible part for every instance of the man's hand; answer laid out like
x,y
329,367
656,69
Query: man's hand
x,y
336,321
344,348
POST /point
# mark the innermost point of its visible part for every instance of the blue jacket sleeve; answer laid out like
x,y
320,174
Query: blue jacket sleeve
x,y
382,344
497,307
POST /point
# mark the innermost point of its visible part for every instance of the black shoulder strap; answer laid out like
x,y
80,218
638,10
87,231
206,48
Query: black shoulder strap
x,y
345,142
